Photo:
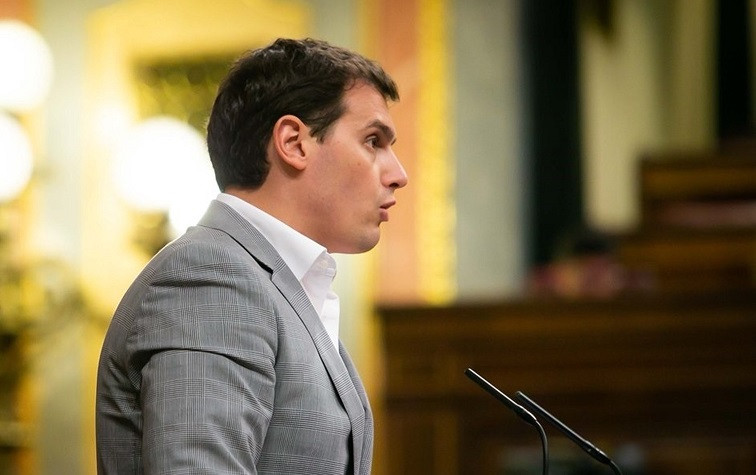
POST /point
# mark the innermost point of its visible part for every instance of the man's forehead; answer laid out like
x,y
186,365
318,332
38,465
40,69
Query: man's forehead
x,y
367,105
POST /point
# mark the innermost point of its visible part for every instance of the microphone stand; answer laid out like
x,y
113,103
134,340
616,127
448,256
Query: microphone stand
x,y
519,410
587,447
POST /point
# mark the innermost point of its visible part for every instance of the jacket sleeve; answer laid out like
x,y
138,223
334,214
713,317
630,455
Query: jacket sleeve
x,y
204,346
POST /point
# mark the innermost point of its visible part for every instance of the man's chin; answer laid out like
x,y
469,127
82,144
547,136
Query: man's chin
x,y
358,246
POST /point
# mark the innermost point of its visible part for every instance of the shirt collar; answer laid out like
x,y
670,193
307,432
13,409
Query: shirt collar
x,y
298,251
310,262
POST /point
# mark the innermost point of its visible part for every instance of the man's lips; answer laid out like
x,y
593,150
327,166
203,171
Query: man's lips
x,y
384,209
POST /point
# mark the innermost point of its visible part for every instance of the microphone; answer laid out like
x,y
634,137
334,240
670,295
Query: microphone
x,y
588,447
519,410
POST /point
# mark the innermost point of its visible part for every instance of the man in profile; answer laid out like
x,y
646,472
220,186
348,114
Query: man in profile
x,y
223,356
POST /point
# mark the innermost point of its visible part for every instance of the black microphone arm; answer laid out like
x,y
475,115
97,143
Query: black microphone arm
x,y
519,410
588,447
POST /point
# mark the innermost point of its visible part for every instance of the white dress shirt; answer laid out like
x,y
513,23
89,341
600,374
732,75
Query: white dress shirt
x,y
309,261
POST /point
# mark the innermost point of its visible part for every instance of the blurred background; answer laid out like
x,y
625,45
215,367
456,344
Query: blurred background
x,y
580,222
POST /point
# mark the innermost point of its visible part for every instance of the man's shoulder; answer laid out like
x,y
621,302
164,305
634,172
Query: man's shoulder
x,y
200,245
203,263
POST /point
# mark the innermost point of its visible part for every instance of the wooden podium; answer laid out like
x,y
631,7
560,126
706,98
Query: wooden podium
x,y
674,378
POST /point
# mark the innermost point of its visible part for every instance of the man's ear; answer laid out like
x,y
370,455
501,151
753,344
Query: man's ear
x,y
290,137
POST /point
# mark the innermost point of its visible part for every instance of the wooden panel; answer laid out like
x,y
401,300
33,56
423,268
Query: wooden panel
x,y
706,191
693,260
674,376
710,174
699,222
710,178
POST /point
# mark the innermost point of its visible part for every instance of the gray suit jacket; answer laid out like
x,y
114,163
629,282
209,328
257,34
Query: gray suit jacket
x,y
215,362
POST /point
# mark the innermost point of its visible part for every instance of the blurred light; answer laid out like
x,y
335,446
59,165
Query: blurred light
x,y
27,66
16,158
163,166
192,199
110,122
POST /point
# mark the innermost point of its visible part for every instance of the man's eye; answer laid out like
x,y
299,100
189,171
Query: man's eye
x,y
372,141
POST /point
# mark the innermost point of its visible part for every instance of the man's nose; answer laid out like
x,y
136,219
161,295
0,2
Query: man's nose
x,y
396,176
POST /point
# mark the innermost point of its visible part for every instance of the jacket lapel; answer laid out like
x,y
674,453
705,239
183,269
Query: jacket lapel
x,y
336,367
363,442
343,375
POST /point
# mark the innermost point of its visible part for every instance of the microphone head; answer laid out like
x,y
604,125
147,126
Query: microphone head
x,y
509,402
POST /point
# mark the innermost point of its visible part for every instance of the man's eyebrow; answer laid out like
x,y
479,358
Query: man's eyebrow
x,y
385,129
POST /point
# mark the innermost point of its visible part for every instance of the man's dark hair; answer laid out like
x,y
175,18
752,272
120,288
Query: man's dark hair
x,y
305,78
